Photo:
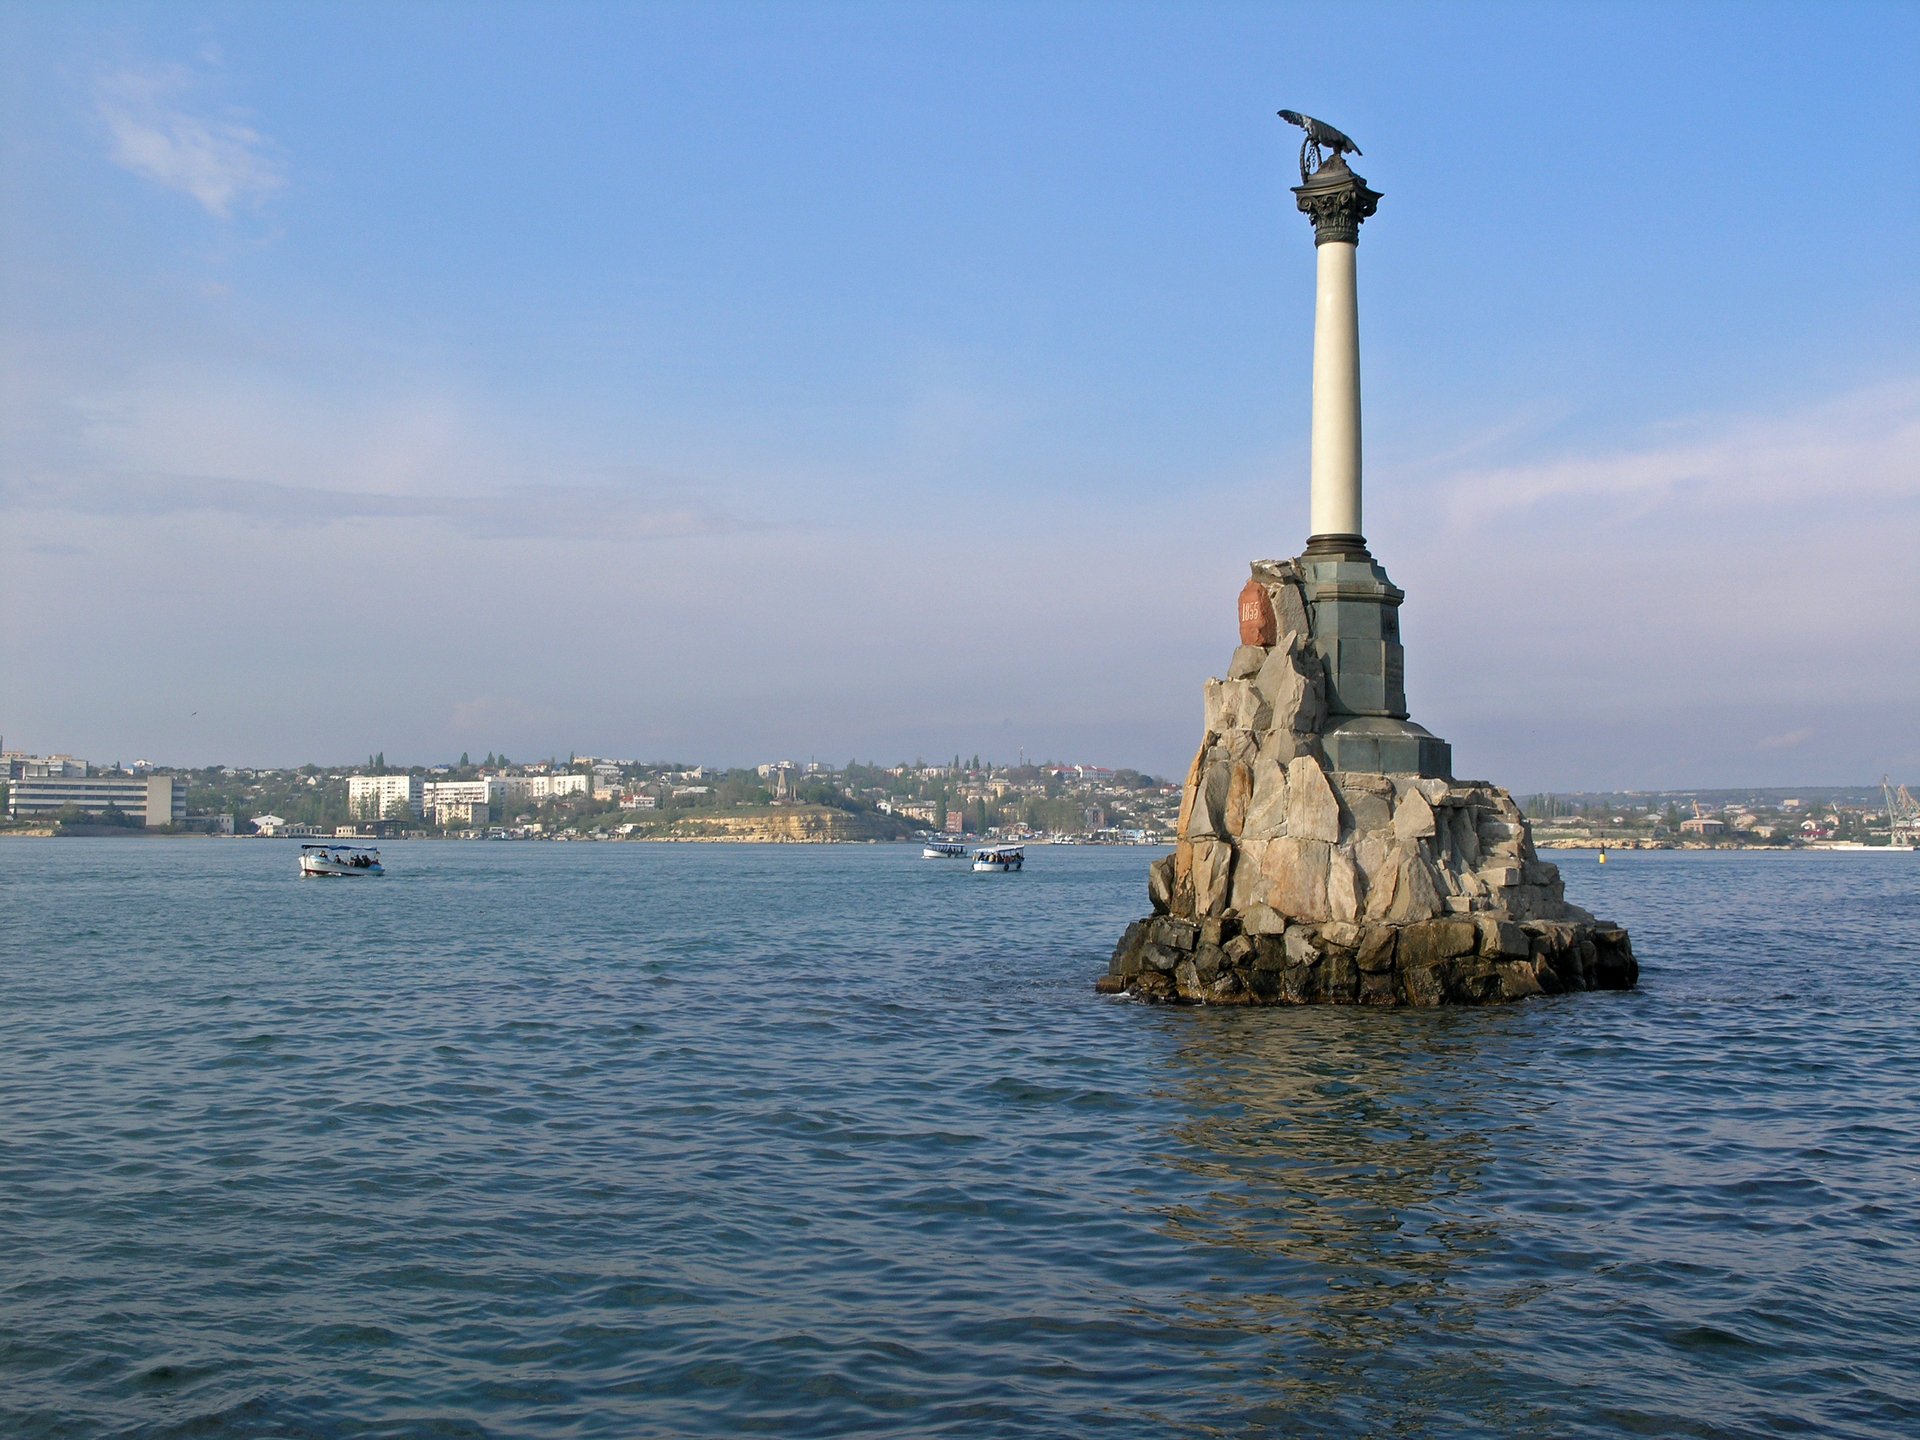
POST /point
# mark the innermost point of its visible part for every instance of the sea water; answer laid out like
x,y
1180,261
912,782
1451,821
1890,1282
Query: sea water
x,y
652,1140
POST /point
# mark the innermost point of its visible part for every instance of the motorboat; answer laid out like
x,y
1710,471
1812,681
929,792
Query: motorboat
x,y
943,850
321,860
1000,858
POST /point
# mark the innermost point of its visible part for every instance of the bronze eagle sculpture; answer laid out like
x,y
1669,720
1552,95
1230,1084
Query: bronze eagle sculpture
x,y
1320,135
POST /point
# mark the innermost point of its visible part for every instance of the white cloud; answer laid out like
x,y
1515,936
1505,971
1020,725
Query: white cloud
x,y
1858,448
219,162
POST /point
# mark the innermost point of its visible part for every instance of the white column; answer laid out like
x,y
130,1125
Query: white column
x,y
1336,393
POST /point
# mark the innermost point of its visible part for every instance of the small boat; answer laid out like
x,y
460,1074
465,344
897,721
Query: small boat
x,y
319,861
943,850
999,858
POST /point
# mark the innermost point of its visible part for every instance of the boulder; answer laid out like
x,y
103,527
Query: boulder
x,y
1372,810
1415,895
1313,810
1295,871
1236,705
1239,795
1266,815
1262,919
1413,818
1432,941
1289,683
1346,888
1212,868
1193,783
1378,949
1160,885
1247,661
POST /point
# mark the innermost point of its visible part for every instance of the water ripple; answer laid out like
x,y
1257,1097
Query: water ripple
x,y
669,1141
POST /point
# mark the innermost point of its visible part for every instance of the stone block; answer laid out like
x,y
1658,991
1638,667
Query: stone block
x,y
1516,980
1261,919
1291,690
1249,878
1237,747
1415,895
1413,817
1338,979
1236,705
1296,874
1300,947
1160,885
1378,949
1218,929
1423,986
1371,812
1212,870
1266,815
1464,835
1239,794
1192,790
1246,662
1430,942
1282,747
1342,934
1502,939
1313,810
1173,934
1346,889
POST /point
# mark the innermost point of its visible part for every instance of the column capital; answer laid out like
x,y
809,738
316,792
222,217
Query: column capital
x,y
1337,201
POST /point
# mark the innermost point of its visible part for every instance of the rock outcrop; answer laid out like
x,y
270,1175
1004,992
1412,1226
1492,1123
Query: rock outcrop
x,y
1294,883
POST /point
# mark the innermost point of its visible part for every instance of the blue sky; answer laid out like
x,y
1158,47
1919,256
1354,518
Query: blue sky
x,y
734,382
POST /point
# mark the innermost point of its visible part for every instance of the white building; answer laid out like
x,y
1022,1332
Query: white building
x,y
537,789
463,803
374,797
154,800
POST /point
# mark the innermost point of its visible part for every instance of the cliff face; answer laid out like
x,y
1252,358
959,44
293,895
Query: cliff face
x,y
1293,882
798,825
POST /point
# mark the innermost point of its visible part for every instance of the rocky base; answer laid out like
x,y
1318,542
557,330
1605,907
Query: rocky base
x,y
1297,880
1477,960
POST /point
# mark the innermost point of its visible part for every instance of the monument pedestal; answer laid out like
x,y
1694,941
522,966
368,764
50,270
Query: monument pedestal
x,y
1353,612
1325,854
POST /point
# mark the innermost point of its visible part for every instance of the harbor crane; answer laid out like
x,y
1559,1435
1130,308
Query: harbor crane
x,y
1903,814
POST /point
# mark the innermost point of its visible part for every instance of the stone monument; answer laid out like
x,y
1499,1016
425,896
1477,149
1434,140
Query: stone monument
x,y
1325,853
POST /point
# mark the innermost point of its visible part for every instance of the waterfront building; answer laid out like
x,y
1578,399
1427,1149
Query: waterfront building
x,y
155,801
371,797
463,803
537,789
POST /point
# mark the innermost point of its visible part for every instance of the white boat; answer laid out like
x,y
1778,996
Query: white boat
x,y
320,861
943,850
999,858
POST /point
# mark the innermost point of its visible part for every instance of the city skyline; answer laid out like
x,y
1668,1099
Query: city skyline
x,y
744,381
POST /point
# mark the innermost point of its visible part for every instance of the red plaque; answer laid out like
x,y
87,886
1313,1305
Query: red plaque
x,y
1257,625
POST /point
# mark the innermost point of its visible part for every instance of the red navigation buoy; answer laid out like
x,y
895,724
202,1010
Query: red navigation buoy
x,y
1257,625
